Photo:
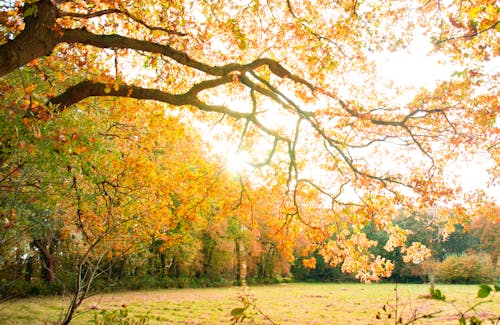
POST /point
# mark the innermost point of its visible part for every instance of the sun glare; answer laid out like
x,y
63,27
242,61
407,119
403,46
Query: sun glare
x,y
235,162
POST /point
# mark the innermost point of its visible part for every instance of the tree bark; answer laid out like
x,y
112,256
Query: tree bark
x,y
28,271
238,261
241,263
38,38
48,261
163,264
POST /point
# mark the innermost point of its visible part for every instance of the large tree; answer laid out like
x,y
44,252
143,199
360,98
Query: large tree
x,y
291,84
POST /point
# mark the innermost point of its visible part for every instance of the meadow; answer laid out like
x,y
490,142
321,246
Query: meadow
x,y
295,303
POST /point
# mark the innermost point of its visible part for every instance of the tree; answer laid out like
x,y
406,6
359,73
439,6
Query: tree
x,y
486,227
339,151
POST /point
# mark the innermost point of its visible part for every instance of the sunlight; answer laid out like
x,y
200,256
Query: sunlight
x,y
415,67
235,162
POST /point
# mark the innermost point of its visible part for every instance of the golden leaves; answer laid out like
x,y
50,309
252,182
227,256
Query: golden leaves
x,y
309,263
397,238
416,253
353,253
366,155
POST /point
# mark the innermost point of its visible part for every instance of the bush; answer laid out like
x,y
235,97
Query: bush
x,y
465,269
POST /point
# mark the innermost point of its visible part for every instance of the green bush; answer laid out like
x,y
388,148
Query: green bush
x,y
119,316
465,269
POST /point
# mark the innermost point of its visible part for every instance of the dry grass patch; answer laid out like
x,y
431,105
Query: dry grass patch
x,y
297,303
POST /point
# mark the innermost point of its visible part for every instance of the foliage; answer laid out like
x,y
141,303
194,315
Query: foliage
x,y
117,118
483,292
465,269
248,310
487,226
437,294
392,310
322,272
118,316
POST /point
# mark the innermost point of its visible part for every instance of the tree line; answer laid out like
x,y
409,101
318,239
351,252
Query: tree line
x,y
113,115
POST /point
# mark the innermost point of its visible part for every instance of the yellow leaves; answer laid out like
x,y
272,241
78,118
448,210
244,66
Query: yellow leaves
x,y
238,33
483,17
416,253
486,115
397,238
109,87
80,149
309,263
29,89
145,159
474,12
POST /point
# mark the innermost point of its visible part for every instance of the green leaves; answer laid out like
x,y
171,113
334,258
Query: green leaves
x,y
238,314
473,321
437,294
31,11
485,290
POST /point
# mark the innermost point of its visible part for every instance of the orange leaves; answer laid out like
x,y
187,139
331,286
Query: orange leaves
x,y
455,23
416,253
355,258
309,263
29,89
397,238
138,173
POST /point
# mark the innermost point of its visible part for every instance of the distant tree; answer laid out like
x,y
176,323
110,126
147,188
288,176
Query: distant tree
x,y
487,228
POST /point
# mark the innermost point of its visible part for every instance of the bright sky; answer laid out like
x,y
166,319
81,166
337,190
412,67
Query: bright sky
x,y
418,69
415,69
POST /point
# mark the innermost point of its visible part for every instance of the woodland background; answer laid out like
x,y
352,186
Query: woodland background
x,y
117,118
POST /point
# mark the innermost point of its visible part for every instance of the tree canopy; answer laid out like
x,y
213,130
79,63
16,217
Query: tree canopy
x,y
330,144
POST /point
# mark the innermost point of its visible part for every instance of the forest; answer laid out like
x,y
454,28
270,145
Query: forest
x,y
187,143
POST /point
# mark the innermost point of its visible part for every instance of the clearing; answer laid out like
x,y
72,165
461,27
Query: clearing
x,y
296,303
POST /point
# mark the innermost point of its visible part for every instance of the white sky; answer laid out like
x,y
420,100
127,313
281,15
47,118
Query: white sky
x,y
416,68
412,69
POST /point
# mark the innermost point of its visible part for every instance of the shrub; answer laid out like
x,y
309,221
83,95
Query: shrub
x,y
465,269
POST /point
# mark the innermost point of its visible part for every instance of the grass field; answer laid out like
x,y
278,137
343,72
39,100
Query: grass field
x,y
297,303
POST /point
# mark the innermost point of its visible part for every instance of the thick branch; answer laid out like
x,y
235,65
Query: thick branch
x,y
38,39
41,36
86,89
83,36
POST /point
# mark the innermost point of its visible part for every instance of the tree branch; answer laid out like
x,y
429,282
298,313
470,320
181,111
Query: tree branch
x,y
469,35
82,36
38,39
104,12
88,88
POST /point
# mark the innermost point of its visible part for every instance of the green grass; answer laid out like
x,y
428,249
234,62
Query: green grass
x,y
298,303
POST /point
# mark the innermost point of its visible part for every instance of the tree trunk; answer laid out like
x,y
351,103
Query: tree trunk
x,y
432,280
494,261
28,271
38,38
48,273
238,261
163,265
87,272
241,263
